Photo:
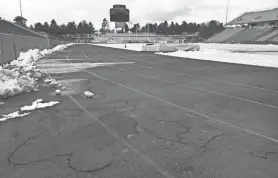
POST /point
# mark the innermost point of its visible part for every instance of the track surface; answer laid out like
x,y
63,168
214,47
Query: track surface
x,y
158,117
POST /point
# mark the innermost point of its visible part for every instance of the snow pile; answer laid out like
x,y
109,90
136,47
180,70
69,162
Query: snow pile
x,y
89,94
39,105
22,74
35,105
51,82
55,49
58,92
233,54
13,115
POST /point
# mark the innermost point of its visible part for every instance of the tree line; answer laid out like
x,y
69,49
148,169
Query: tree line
x,y
70,28
205,30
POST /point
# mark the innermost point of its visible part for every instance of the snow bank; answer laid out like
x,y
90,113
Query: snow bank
x,y
214,46
249,54
262,59
128,46
21,75
239,47
170,47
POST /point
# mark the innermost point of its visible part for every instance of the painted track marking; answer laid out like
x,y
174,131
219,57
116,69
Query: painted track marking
x,y
187,109
188,86
158,168
204,78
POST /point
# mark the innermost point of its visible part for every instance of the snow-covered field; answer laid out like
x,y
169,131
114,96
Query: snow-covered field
x,y
266,60
258,55
239,47
129,46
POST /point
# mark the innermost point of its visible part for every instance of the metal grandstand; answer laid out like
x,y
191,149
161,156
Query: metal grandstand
x,y
265,16
251,27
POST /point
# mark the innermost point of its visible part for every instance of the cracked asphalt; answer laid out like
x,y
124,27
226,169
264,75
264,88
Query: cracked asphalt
x,y
158,117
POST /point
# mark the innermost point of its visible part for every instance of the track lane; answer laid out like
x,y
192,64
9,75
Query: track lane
x,y
237,136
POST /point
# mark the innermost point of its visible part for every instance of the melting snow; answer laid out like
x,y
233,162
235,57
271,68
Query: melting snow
x,y
13,115
21,75
88,94
129,46
39,105
267,60
75,67
36,104
249,54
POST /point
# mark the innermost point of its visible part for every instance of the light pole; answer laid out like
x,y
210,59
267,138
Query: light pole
x,y
227,11
136,26
20,8
146,31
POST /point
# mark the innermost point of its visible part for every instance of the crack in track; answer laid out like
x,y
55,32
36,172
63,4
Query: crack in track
x,y
9,158
68,155
87,171
32,162
17,148
213,138
10,161
157,136
265,154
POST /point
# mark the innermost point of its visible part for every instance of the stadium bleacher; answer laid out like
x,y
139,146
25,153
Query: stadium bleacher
x,y
274,39
270,35
260,27
256,17
249,34
224,35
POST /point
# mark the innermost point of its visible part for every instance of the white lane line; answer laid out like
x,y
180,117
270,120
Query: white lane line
x,y
226,67
117,136
155,55
200,89
211,79
69,54
188,86
204,78
189,110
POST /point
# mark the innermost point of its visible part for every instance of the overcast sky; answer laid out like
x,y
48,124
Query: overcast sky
x,y
141,10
